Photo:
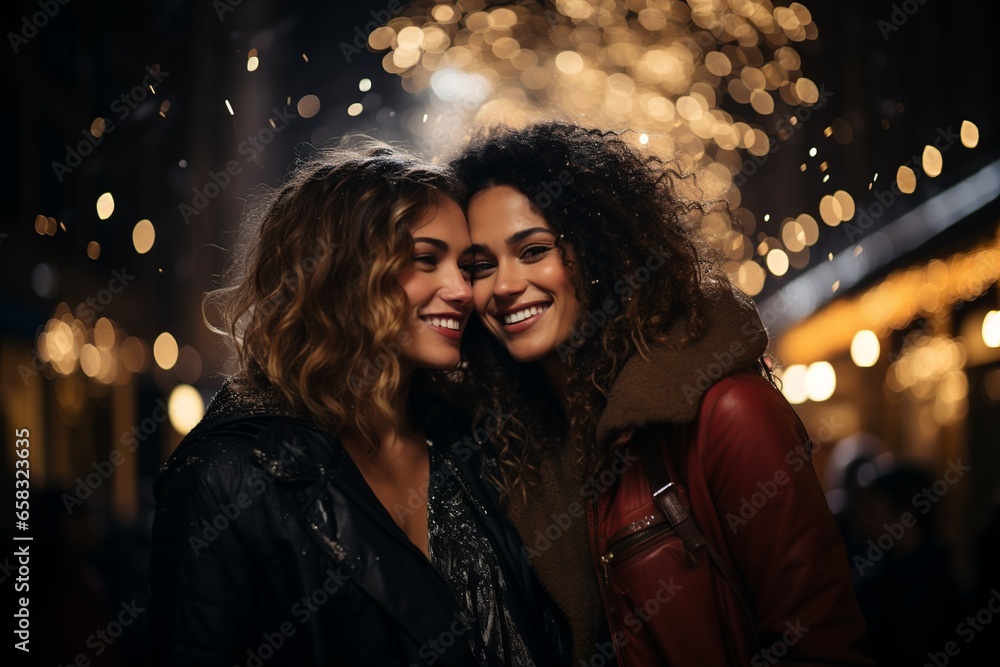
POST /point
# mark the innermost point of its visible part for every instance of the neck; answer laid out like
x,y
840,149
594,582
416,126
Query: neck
x,y
397,437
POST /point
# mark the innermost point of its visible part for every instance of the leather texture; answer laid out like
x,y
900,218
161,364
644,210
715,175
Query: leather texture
x,y
266,534
745,449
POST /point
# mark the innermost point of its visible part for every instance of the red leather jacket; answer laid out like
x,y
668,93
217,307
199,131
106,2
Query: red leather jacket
x,y
744,461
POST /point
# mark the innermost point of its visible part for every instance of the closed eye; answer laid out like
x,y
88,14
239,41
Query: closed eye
x,y
482,268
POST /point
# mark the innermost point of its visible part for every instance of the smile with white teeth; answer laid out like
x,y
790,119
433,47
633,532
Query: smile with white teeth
x,y
444,322
515,317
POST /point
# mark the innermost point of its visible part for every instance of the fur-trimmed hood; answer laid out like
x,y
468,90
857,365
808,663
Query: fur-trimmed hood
x,y
667,385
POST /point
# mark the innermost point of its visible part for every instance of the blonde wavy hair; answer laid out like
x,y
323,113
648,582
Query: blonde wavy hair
x,y
312,302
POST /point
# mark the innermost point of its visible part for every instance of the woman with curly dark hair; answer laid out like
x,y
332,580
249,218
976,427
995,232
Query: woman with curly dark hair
x,y
650,465
320,514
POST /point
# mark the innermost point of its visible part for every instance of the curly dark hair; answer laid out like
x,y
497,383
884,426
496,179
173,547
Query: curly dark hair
x,y
614,206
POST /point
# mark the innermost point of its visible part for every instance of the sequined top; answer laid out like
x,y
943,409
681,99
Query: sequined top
x,y
460,549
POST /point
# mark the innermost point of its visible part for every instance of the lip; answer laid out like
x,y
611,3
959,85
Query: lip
x,y
526,323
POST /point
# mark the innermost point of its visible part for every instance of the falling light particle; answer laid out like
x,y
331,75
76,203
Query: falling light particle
x,y
826,178
828,132
836,285
62,225
970,134
230,107
829,257
365,85
858,250
932,161
767,217
93,250
643,138
182,164
812,152
356,109
875,177
308,106
424,119
97,127
803,167
906,180
105,206
252,63
305,57
143,236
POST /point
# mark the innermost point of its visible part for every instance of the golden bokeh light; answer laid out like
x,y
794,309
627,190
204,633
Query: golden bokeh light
x,y
165,351
906,180
865,349
143,236
932,161
105,206
970,134
185,407
308,106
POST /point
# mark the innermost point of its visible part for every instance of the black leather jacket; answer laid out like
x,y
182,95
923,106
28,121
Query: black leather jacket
x,y
270,548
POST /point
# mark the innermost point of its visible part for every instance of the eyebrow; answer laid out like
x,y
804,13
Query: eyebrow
x,y
524,233
439,244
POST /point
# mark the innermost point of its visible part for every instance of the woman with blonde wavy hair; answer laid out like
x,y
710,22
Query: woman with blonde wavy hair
x,y
327,509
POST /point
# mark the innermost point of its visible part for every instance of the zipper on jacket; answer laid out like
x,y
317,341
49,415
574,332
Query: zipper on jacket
x,y
641,531
607,591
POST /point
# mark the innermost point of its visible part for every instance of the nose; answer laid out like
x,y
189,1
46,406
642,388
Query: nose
x,y
508,283
456,289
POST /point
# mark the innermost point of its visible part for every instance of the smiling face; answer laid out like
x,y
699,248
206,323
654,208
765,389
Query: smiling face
x,y
523,291
438,286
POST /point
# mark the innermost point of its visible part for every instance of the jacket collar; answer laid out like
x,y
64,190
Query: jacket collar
x,y
666,386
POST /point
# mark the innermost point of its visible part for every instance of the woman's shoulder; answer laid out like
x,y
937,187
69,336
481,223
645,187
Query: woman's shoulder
x,y
224,459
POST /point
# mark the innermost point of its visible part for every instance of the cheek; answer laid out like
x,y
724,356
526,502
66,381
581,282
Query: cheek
x,y
482,291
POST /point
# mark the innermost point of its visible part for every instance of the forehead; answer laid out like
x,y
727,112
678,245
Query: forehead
x,y
500,210
443,217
